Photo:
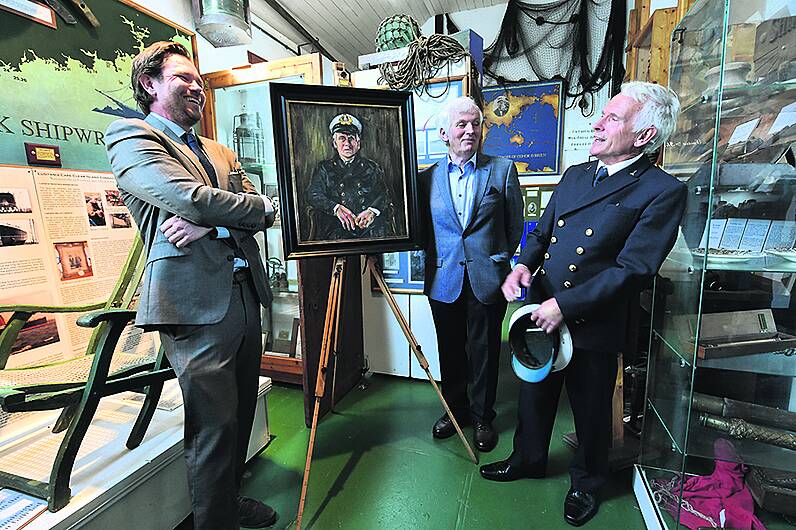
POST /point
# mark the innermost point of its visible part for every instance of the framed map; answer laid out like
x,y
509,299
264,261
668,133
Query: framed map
x,y
524,122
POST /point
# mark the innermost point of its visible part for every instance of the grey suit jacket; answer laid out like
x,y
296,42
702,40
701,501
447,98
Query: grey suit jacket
x,y
159,177
485,246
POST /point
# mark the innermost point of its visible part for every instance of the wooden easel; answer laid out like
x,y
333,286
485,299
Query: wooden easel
x,y
331,326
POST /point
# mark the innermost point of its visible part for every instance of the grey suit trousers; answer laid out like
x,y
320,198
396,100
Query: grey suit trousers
x,y
217,367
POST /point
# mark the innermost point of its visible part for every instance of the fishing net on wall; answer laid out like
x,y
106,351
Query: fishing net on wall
x,y
580,41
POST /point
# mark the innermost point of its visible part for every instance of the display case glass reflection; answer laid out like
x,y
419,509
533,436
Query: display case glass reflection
x,y
242,116
720,376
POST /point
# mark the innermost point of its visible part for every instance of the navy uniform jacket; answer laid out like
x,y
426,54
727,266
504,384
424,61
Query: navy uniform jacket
x,y
598,247
358,185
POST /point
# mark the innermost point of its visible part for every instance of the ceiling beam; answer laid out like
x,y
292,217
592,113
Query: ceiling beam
x,y
276,6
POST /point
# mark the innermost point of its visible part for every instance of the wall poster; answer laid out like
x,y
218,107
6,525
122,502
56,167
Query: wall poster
x,y
75,80
64,237
534,199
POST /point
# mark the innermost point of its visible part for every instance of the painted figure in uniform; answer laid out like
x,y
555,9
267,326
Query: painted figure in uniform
x,y
348,192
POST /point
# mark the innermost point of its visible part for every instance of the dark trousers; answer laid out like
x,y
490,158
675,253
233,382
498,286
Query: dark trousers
x,y
217,367
468,341
590,378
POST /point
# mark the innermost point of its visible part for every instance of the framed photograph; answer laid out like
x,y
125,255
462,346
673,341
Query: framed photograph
x,y
404,272
35,11
534,200
524,122
428,105
346,169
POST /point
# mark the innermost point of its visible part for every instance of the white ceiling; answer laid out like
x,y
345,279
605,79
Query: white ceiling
x,y
347,28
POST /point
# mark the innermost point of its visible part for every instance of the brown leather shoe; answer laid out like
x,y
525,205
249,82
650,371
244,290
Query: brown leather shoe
x,y
484,436
444,427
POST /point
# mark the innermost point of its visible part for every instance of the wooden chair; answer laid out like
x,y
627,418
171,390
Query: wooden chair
x,y
78,384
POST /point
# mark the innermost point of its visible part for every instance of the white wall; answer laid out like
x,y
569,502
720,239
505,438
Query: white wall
x,y
485,21
212,59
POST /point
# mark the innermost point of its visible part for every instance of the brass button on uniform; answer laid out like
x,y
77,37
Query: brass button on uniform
x,y
579,250
561,222
542,272
567,284
573,267
554,240
589,232
546,255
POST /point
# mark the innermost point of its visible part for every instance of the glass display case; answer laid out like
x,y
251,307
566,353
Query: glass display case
x,y
239,116
720,418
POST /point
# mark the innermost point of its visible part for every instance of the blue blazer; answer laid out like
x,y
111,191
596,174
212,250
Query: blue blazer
x,y
598,247
485,246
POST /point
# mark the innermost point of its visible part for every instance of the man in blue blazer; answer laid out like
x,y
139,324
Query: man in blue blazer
x,y
474,209
605,232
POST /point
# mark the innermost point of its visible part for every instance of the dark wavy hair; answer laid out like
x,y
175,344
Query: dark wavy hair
x,y
150,62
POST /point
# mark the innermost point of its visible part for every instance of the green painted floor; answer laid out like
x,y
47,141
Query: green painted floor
x,y
376,466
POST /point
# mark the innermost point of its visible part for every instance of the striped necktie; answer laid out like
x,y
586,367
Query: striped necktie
x,y
602,174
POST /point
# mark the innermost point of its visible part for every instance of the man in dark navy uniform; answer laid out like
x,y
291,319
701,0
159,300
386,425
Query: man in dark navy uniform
x,y
348,191
605,232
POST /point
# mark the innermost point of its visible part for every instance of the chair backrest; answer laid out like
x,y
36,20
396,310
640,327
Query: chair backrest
x,y
121,296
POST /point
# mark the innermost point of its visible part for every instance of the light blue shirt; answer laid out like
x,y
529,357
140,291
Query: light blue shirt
x,y
462,181
173,127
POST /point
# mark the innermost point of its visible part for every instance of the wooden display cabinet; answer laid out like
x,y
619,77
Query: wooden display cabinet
x,y
649,39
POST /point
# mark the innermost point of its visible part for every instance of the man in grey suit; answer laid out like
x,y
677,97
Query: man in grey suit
x,y
204,281
474,208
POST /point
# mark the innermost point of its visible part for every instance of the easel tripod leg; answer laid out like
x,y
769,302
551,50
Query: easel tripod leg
x,y
330,328
407,331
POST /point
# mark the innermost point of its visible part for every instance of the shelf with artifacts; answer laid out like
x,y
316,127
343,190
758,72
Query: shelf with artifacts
x,y
721,373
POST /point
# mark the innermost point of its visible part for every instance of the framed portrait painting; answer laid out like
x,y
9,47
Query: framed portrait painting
x,y
346,168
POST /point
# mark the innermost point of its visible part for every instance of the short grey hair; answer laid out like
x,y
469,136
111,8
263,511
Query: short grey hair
x,y
454,109
659,108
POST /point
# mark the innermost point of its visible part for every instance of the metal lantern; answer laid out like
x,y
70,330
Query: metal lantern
x,y
248,137
223,22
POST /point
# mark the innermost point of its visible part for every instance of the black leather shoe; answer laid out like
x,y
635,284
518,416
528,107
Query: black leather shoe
x,y
484,436
579,507
505,471
444,428
254,514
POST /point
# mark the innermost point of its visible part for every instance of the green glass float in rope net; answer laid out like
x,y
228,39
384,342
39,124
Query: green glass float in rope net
x,y
395,32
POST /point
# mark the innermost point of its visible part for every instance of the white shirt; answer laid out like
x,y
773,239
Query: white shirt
x,y
619,166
